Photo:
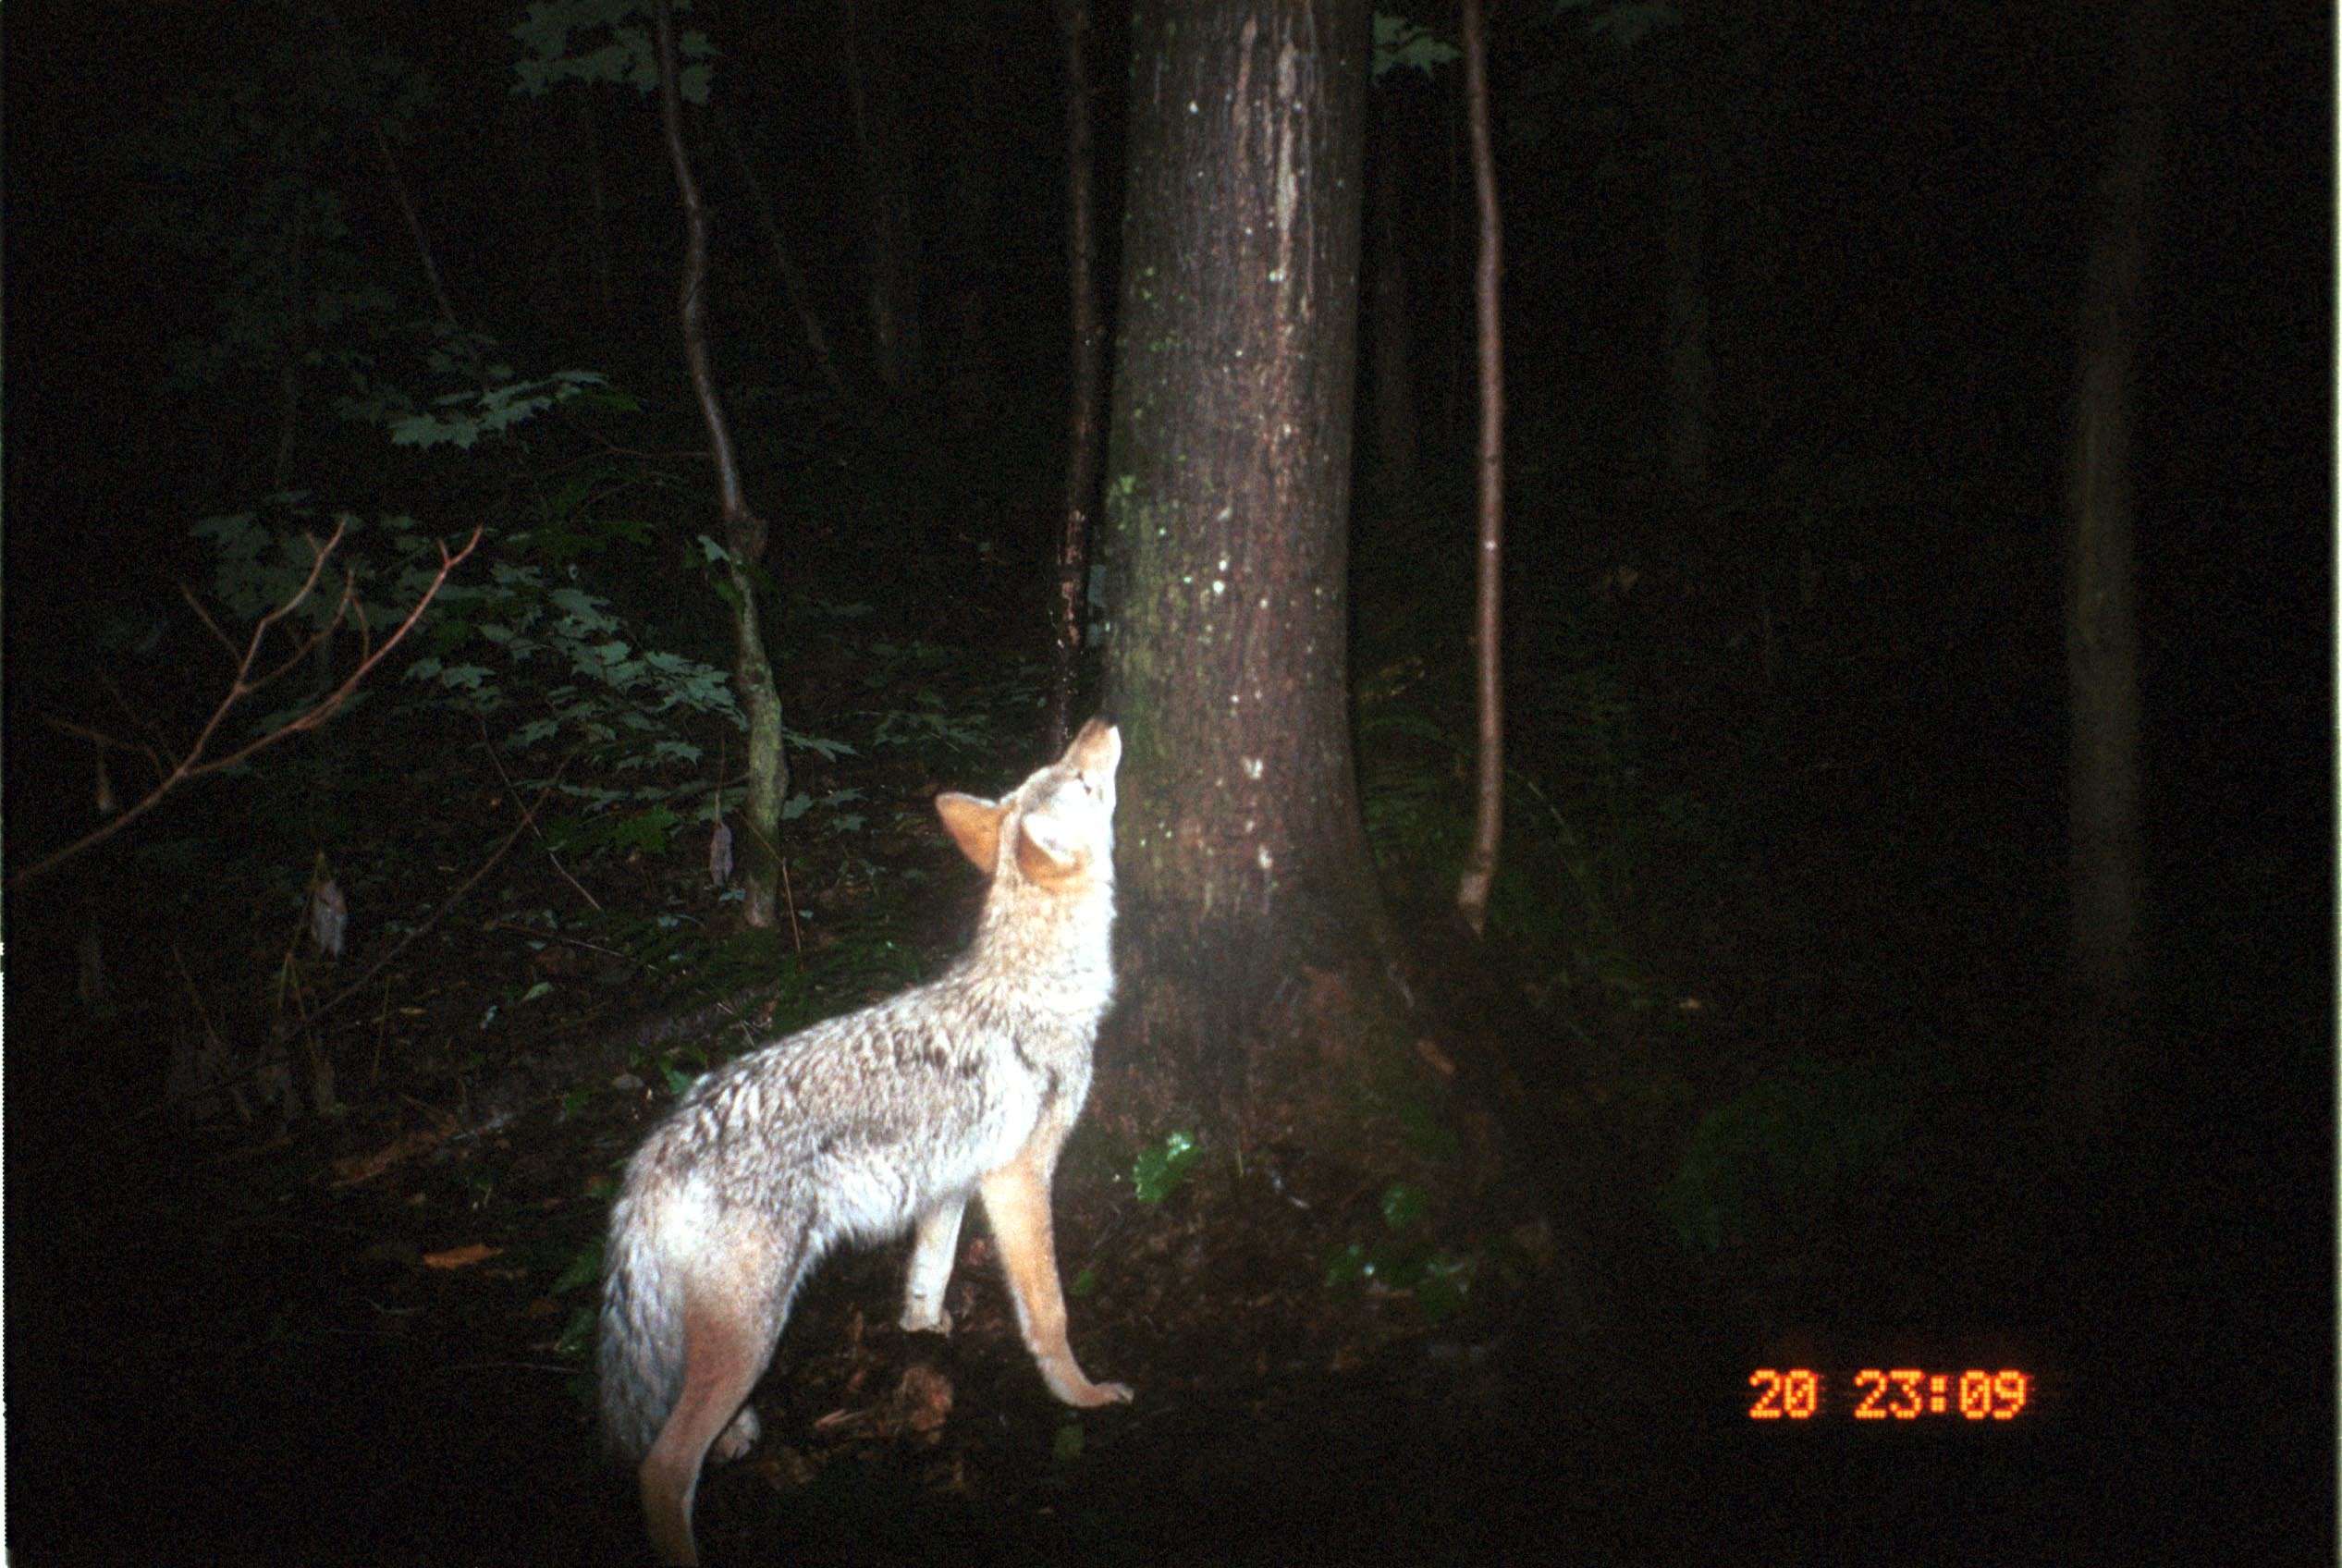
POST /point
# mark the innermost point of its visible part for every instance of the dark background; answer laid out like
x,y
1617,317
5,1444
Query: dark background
x,y
1895,249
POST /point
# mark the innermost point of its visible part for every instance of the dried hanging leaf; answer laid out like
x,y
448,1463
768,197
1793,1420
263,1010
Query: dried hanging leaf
x,y
328,918
719,853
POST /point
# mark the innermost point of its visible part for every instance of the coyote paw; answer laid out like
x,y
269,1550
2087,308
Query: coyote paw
x,y
1104,1393
738,1438
1068,1384
932,1319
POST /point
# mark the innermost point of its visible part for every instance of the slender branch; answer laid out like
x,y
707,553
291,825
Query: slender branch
x,y
205,616
497,763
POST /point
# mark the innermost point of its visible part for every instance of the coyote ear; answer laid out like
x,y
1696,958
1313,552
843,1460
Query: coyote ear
x,y
1048,864
974,825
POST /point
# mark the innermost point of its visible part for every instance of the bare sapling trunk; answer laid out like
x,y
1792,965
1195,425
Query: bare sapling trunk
x,y
792,279
743,530
891,275
2101,631
1487,823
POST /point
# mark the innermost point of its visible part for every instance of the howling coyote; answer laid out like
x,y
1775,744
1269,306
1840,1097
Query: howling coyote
x,y
861,1127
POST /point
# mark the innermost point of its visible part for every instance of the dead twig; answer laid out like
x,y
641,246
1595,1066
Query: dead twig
x,y
497,763
528,820
194,764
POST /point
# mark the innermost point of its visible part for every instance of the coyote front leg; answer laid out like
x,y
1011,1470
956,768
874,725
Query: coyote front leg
x,y
1016,1200
931,1259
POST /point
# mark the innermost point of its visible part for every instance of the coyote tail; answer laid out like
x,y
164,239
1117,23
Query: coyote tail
x,y
642,1345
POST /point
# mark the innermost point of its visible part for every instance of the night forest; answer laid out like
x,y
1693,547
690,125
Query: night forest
x,y
1721,628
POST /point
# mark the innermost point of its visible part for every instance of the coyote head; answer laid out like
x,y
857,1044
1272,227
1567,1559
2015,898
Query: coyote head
x,y
1057,829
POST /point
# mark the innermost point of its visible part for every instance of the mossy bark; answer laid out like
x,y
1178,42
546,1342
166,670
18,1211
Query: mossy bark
x,y
1252,937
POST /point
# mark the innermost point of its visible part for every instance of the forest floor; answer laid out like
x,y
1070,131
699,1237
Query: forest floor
x,y
365,1340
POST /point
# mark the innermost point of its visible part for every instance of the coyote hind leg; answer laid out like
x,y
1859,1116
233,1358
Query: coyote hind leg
x,y
723,1354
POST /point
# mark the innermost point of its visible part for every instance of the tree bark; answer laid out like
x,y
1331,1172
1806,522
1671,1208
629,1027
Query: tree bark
x,y
1089,344
743,530
1251,933
971,371
2101,630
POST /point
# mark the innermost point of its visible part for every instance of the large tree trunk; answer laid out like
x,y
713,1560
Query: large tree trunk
x,y
2102,626
1251,925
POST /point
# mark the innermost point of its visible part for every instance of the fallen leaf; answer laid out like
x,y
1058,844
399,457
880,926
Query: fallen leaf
x,y
353,1168
460,1258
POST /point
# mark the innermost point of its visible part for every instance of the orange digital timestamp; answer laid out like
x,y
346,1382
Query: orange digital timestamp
x,y
1904,1393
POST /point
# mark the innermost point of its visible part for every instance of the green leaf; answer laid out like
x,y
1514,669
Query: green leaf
x,y
1160,1170
1441,1290
648,831
584,1268
1402,1205
1401,42
577,1335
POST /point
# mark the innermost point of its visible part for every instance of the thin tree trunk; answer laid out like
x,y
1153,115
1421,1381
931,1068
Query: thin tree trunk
x,y
972,376
1083,425
597,204
1487,823
422,247
1251,927
890,288
743,530
296,351
2102,633
1691,374
1393,330
792,282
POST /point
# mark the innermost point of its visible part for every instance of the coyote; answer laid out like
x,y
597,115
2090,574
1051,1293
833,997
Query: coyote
x,y
861,1127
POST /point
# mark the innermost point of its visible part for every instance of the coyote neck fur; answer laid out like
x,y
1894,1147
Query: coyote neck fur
x,y
1037,950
